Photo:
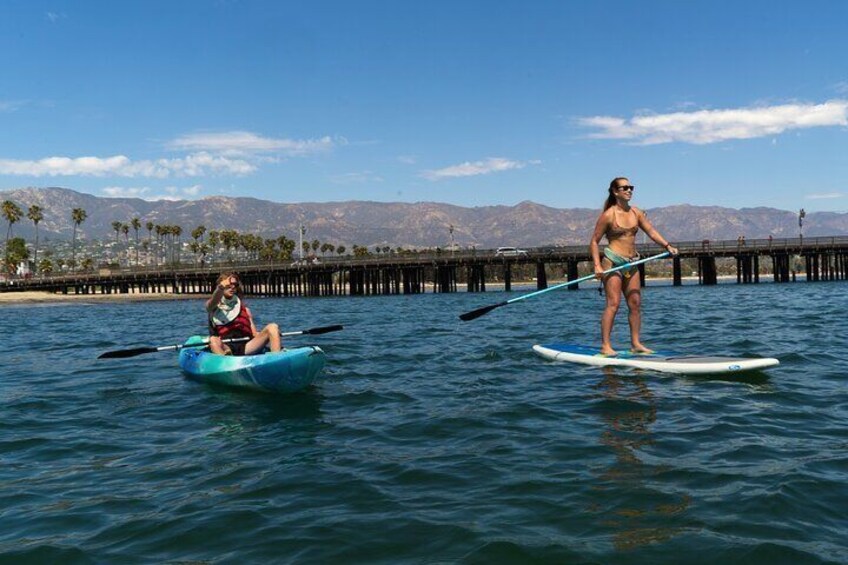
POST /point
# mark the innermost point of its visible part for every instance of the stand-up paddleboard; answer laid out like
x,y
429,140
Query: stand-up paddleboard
x,y
663,361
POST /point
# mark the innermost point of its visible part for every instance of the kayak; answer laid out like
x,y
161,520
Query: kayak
x,y
288,370
661,361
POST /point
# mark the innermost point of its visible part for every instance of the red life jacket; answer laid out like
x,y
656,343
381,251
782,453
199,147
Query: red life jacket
x,y
230,320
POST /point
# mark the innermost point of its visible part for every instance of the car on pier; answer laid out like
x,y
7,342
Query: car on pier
x,y
510,252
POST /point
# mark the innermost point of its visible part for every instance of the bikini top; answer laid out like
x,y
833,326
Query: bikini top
x,y
615,231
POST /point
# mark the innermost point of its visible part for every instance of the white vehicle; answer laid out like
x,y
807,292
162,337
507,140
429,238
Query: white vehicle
x,y
510,252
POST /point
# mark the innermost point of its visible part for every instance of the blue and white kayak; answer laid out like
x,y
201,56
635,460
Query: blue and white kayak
x,y
662,361
288,370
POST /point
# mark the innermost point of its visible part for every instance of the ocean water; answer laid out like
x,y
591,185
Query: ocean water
x,y
431,440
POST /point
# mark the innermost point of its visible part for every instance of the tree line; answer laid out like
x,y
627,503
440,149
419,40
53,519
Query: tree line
x,y
167,250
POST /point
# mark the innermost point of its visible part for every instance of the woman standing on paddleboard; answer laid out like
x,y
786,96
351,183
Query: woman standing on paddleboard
x,y
620,222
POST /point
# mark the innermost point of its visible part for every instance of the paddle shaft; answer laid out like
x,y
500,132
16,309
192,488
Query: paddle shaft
x,y
588,277
468,316
142,350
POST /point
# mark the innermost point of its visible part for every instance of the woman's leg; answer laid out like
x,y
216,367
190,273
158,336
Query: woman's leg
x,y
270,336
612,291
633,295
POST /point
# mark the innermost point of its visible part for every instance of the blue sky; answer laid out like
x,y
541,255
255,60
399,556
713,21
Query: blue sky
x,y
739,104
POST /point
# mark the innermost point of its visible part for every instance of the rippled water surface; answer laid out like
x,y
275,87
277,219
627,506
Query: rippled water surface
x,y
431,440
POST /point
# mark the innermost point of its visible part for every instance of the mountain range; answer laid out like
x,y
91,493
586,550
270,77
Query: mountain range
x,y
408,225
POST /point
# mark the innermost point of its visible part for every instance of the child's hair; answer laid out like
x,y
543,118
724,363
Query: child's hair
x,y
225,276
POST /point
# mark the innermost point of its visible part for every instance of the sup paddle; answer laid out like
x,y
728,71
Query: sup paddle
x,y
123,353
468,316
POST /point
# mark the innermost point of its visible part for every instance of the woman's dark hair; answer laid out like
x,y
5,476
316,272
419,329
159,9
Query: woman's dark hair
x,y
610,201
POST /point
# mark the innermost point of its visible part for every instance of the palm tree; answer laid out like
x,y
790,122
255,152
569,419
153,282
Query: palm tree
x,y
149,227
229,239
125,228
36,215
340,250
159,231
46,267
13,214
197,233
136,224
214,241
117,227
287,247
78,215
177,231
197,236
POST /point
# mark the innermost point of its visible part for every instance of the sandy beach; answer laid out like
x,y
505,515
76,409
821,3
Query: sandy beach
x,y
40,297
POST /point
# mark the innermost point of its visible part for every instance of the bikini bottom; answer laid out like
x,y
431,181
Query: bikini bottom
x,y
617,260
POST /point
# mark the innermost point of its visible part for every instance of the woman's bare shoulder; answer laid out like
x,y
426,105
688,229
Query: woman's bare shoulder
x,y
607,214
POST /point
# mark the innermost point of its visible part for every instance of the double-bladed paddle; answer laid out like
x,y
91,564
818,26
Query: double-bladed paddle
x,y
120,354
468,316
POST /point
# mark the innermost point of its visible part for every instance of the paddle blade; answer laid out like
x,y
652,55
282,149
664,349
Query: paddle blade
x,y
474,314
127,353
324,330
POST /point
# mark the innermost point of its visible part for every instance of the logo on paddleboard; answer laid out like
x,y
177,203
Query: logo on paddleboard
x,y
734,367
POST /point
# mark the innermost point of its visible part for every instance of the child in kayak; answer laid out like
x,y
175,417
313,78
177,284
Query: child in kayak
x,y
230,318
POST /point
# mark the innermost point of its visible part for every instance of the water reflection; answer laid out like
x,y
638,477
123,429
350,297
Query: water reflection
x,y
637,513
237,414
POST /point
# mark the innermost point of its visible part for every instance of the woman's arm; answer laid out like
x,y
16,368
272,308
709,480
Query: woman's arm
x,y
652,232
601,228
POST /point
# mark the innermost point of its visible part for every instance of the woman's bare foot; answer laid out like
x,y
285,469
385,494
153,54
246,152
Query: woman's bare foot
x,y
607,350
639,348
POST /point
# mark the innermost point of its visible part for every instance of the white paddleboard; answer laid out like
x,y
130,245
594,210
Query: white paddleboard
x,y
663,361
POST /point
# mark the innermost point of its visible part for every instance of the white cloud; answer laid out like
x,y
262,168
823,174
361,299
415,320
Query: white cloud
x,y
196,164
712,126
356,178
125,192
11,105
147,193
245,142
469,169
825,196
226,153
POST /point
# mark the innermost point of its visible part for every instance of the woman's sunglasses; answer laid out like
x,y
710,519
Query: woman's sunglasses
x,y
629,188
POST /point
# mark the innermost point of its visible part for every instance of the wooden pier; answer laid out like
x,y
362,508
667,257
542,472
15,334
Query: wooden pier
x,y
816,259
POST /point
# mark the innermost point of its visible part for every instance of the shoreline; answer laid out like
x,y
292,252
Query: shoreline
x,y
45,297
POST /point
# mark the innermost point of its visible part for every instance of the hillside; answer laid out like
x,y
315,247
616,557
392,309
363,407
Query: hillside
x,y
420,224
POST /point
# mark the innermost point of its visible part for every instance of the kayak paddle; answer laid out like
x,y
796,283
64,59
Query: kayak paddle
x,y
468,316
123,353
